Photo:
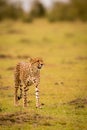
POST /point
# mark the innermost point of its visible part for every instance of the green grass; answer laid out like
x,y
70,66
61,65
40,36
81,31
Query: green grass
x,y
63,47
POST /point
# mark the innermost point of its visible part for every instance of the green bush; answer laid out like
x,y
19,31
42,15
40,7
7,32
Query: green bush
x,y
8,10
76,9
81,6
61,12
71,13
37,10
2,9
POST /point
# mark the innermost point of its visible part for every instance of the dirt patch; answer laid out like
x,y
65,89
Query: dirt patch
x,y
23,56
56,83
13,31
62,123
23,117
0,77
3,56
59,83
78,103
10,68
69,35
25,40
81,58
4,87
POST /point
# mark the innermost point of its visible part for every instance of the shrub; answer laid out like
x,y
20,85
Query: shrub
x,y
76,9
81,6
2,9
37,10
8,10
61,12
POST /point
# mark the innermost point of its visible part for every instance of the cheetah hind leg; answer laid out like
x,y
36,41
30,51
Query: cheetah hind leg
x,y
16,97
21,92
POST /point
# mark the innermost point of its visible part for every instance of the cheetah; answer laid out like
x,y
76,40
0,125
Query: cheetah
x,y
27,74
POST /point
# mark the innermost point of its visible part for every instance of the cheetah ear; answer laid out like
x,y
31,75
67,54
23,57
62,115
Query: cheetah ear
x,y
30,59
37,59
34,60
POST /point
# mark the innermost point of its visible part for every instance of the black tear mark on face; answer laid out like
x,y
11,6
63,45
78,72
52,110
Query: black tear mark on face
x,y
40,65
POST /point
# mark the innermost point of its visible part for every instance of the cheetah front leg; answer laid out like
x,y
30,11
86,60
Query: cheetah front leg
x,y
37,97
25,97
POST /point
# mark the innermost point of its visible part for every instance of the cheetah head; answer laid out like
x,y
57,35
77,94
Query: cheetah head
x,y
38,62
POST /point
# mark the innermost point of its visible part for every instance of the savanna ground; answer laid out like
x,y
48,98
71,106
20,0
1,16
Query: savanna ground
x,y
63,87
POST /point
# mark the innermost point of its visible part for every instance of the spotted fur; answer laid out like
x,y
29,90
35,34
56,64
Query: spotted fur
x,y
27,74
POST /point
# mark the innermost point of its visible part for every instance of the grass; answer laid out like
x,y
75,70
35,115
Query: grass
x,y
63,86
